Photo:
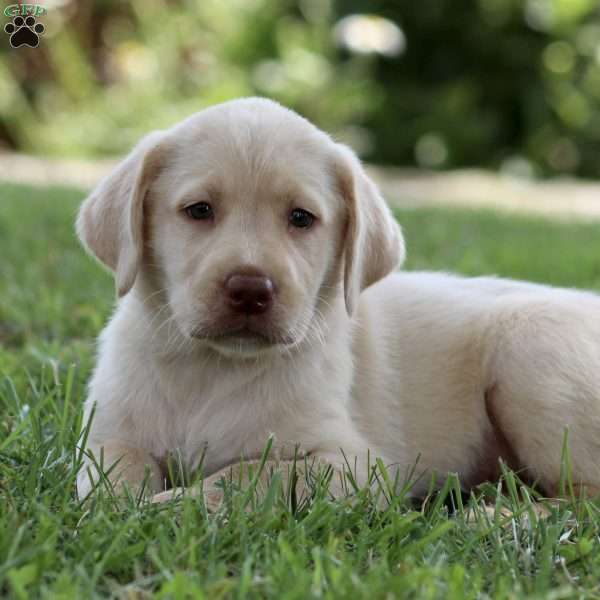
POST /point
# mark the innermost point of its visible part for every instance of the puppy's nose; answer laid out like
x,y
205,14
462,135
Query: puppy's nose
x,y
249,294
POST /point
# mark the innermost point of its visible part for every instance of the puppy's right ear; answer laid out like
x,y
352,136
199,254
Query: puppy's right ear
x,y
110,221
374,245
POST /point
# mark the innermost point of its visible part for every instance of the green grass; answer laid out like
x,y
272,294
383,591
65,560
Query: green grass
x,y
53,301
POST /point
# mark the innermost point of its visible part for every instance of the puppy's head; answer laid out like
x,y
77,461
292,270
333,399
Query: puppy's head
x,y
247,221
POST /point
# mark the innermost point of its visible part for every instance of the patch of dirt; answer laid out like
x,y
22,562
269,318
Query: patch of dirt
x,y
557,198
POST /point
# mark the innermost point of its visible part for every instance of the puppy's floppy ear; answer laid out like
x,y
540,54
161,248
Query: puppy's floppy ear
x,y
374,246
110,220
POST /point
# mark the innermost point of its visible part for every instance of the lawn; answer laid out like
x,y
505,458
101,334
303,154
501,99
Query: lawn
x,y
54,300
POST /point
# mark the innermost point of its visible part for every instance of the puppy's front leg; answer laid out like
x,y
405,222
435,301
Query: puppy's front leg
x,y
124,465
301,474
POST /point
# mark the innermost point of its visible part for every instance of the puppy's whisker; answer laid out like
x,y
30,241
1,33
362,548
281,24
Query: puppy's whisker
x,y
156,316
145,299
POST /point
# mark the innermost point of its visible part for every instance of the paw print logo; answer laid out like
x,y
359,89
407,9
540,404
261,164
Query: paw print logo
x,y
24,32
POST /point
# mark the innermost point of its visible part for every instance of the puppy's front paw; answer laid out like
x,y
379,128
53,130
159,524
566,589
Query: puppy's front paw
x,y
167,495
213,496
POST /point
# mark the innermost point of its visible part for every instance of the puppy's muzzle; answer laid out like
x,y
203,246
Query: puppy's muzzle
x,y
249,293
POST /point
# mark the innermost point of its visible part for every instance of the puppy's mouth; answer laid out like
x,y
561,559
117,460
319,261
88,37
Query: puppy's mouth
x,y
244,337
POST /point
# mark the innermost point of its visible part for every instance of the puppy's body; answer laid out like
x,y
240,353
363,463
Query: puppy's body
x,y
469,370
453,372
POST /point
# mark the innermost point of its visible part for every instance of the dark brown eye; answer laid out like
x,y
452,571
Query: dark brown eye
x,y
301,218
200,211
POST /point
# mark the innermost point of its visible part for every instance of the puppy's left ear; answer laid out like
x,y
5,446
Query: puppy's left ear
x,y
110,222
374,245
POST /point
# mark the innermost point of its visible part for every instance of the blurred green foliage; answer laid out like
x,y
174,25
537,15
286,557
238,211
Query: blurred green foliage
x,y
511,84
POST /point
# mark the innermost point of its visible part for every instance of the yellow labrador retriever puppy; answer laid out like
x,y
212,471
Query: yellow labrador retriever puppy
x,y
253,260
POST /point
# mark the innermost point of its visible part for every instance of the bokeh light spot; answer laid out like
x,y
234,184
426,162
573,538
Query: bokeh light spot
x,y
370,34
559,57
431,150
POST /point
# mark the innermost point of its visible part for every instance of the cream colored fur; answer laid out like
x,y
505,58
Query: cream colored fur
x,y
451,372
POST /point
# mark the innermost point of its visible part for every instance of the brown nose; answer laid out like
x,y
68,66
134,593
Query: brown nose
x,y
249,294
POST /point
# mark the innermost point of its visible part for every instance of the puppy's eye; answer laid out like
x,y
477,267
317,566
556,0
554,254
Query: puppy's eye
x,y
301,218
199,211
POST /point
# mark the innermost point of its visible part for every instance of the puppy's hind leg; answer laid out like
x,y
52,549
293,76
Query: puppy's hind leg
x,y
545,368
